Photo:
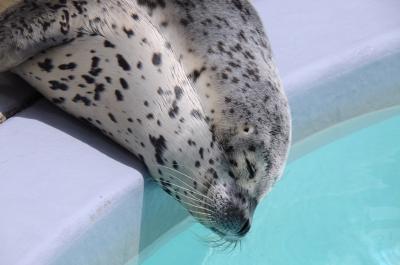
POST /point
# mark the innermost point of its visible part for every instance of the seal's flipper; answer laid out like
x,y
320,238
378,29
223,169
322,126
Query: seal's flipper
x,y
29,27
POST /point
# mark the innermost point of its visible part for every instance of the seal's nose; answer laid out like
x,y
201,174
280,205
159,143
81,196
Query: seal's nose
x,y
245,228
233,219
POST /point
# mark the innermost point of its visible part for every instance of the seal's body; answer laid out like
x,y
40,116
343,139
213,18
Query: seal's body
x,y
187,86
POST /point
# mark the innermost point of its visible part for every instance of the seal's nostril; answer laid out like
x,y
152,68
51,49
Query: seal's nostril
x,y
245,228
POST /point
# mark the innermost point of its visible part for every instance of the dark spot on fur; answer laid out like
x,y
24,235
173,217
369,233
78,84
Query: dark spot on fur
x,y
160,146
46,65
178,92
69,66
83,99
108,44
128,32
196,114
250,169
201,152
135,16
88,79
119,95
123,83
123,63
156,59
112,118
98,90
174,110
56,85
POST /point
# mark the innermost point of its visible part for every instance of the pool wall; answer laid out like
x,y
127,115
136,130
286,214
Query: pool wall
x,y
354,82
90,204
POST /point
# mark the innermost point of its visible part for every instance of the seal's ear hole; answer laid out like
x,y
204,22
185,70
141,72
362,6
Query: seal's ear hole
x,y
247,129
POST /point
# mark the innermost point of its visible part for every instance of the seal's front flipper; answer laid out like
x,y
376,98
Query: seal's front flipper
x,y
29,27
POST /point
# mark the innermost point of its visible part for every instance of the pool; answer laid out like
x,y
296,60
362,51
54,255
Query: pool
x,y
338,203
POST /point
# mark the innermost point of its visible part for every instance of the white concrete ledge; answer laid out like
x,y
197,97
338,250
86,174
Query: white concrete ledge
x,y
84,205
64,185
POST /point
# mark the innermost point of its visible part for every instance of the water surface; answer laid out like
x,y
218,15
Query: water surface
x,y
339,204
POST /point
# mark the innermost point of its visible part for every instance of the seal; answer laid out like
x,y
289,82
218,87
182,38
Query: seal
x,y
207,116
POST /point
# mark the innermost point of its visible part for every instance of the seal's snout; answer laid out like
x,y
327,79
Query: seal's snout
x,y
238,225
234,221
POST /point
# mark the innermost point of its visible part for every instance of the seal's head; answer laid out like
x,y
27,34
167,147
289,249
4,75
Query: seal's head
x,y
248,152
255,137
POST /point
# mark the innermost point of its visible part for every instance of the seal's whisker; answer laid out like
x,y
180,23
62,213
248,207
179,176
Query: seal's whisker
x,y
228,246
183,174
183,188
202,184
233,246
209,240
201,213
218,244
213,238
207,181
187,176
215,242
191,189
202,219
205,221
194,191
191,198
223,245
198,207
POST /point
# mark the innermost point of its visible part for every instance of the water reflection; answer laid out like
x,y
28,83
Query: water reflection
x,y
339,204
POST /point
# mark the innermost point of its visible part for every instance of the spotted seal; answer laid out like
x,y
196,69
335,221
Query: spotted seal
x,y
187,86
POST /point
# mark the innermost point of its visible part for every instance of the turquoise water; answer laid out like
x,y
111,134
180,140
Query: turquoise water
x,y
339,204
